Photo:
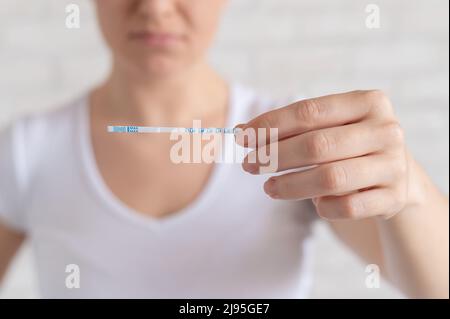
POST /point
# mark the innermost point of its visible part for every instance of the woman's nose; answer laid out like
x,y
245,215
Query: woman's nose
x,y
155,8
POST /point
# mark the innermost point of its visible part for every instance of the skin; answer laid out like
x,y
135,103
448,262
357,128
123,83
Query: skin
x,y
365,183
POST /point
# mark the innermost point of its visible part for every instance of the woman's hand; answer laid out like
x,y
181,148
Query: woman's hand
x,y
356,145
360,169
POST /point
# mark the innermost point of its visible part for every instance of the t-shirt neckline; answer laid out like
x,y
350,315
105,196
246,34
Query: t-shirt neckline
x,y
100,190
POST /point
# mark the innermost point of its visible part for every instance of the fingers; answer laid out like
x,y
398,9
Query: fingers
x,y
358,205
335,178
318,113
331,144
352,140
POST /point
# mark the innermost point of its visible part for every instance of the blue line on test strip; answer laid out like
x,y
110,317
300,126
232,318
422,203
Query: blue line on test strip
x,y
160,129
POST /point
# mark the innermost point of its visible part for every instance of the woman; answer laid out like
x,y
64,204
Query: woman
x,y
135,224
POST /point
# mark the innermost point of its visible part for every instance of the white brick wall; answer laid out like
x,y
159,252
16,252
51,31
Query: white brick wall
x,y
282,47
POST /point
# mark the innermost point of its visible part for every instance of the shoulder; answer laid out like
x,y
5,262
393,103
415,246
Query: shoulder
x,y
25,144
31,138
51,123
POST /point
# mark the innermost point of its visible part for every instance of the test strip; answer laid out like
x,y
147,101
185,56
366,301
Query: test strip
x,y
162,129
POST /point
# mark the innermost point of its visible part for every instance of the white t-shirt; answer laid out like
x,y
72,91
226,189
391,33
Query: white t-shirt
x,y
223,245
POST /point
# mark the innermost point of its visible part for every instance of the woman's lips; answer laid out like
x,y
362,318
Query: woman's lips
x,y
155,39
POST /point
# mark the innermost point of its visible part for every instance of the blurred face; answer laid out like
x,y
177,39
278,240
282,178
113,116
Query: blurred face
x,y
159,36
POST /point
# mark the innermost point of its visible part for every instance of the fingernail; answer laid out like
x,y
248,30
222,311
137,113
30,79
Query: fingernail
x,y
270,188
241,132
251,141
251,168
239,128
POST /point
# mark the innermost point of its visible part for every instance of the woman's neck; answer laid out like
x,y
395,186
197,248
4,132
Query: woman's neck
x,y
197,93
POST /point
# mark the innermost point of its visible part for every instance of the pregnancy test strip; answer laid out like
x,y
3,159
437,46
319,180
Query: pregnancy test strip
x,y
162,129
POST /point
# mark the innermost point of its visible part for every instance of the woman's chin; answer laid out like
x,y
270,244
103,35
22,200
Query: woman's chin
x,y
160,66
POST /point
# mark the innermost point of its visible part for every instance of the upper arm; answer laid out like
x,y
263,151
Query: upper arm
x,y
362,237
12,217
12,179
10,241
